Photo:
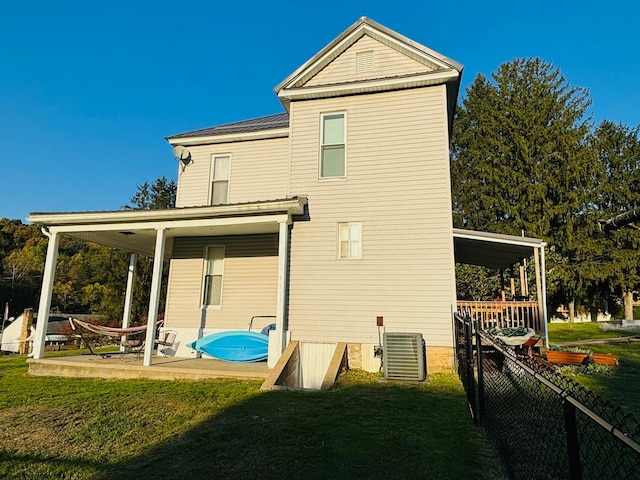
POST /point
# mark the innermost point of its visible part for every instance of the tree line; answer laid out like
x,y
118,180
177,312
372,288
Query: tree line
x,y
526,158
90,278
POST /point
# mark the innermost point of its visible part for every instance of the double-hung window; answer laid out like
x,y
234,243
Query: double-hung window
x,y
220,179
213,272
350,240
333,146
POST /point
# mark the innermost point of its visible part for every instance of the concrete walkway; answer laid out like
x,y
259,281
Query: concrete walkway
x,y
128,367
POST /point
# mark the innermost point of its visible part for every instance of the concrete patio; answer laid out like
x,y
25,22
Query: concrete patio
x,y
130,367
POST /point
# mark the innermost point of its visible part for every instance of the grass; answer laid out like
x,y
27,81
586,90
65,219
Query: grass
x,y
623,386
107,429
571,332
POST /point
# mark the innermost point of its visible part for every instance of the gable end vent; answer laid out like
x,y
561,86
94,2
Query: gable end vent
x,y
364,61
404,356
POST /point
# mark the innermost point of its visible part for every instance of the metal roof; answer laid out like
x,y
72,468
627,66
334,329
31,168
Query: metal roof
x,y
492,250
279,120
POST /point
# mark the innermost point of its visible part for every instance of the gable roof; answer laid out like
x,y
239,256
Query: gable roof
x,y
269,122
438,70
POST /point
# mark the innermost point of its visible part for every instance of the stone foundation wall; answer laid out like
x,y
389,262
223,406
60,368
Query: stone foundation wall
x,y
361,356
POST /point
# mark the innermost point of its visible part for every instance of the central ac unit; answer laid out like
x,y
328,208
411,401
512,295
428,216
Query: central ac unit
x,y
404,356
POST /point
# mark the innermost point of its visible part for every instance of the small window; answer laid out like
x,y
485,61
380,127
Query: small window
x,y
332,148
350,240
220,180
214,269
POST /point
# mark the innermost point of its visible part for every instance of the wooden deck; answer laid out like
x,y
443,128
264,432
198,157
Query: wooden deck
x,y
129,367
503,314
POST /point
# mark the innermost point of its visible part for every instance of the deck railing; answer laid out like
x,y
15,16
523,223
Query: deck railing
x,y
503,314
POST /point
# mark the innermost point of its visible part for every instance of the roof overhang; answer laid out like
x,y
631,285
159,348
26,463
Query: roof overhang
x,y
492,250
135,230
231,137
370,86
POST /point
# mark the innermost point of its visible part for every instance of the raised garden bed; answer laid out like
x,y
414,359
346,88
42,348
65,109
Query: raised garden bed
x,y
567,358
581,358
605,359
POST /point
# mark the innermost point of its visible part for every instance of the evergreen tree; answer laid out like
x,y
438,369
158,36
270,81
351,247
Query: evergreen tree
x,y
160,194
618,150
521,163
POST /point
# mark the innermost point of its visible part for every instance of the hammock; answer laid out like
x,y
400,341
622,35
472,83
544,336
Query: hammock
x,y
104,330
134,346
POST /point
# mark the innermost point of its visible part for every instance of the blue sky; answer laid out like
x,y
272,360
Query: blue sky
x,y
89,90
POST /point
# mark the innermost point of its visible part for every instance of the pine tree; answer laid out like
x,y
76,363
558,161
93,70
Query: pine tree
x,y
618,150
521,163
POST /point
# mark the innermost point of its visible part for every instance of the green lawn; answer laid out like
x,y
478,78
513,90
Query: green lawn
x,y
623,386
364,428
571,332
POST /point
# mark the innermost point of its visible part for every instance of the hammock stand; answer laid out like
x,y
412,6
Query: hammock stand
x,y
133,346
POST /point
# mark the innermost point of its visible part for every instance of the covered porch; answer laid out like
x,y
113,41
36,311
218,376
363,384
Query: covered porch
x,y
500,252
154,233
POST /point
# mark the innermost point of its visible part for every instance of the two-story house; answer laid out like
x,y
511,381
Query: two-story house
x,y
324,217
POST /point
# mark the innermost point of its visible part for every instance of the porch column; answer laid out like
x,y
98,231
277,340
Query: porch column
x,y
45,295
283,263
536,262
131,275
154,297
544,295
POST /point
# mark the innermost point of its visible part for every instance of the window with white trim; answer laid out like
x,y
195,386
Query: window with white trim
x,y
221,169
332,146
213,273
350,240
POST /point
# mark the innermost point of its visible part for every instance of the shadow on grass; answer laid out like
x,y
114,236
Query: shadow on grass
x,y
360,431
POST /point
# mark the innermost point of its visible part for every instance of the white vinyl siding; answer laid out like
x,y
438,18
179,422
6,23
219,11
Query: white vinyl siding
x,y
333,146
249,285
260,171
399,188
221,172
349,240
387,61
214,270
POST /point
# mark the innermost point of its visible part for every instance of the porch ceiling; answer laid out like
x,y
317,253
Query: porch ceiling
x,y
135,231
142,240
492,250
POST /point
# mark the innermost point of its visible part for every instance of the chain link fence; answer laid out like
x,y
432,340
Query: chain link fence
x,y
544,425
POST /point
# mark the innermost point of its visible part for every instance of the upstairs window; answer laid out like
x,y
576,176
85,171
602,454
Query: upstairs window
x,y
332,146
220,180
213,272
350,240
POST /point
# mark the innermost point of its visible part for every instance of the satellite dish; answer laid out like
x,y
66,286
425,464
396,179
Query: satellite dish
x,y
183,155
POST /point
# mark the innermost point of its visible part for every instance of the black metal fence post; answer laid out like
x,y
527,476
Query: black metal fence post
x,y
573,445
471,393
480,374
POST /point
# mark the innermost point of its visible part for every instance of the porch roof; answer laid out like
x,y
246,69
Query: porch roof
x,y
135,230
492,250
